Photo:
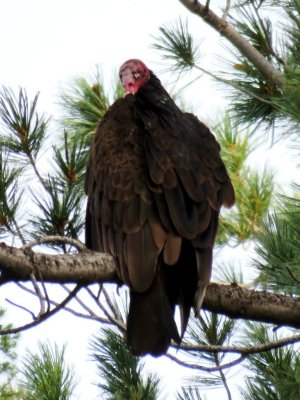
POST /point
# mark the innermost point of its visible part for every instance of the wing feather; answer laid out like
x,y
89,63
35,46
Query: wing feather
x,y
172,249
141,258
191,184
131,215
183,214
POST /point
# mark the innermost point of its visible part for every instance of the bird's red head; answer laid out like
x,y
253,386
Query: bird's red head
x,y
133,74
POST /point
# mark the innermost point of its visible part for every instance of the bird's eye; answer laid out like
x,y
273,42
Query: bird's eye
x,y
137,75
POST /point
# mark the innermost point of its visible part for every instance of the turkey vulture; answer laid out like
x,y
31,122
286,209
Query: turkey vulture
x,y
155,184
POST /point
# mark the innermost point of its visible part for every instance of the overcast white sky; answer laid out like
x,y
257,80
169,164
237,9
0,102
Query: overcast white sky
x,y
43,45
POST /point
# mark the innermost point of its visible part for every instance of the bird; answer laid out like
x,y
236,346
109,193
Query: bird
x,y
155,184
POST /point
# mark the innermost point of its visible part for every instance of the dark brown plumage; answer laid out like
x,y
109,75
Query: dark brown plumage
x,y
155,184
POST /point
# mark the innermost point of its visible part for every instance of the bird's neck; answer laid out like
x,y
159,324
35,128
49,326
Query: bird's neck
x,y
154,96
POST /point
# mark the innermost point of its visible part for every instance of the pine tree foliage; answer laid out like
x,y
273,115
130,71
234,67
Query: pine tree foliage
x,y
253,190
46,375
59,194
190,393
177,47
10,197
24,128
120,370
275,375
213,330
254,99
70,160
256,26
229,272
61,212
83,104
8,369
289,104
278,249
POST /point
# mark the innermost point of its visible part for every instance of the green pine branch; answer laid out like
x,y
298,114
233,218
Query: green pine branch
x,y
10,198
210,329
253,190
25,129
70,160
59,197
119,371
61,211
177,47
277,248
84,103
274,375
46,376
190,393
254,99
8,368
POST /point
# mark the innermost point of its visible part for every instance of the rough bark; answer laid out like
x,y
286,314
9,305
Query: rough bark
x,y
237,302
90,267
84,267
237,40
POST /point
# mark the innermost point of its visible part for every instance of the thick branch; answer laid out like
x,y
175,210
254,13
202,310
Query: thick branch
x,y
237,302
90,267
84,267
237,40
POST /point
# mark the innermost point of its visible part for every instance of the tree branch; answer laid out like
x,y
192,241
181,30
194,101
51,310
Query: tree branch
x,y
202,367
242,350
84,267
90,314
237,40
42,317
90,267
237,302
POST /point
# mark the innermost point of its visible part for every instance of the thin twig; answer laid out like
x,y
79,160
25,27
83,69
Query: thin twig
x,y
109,302
245,351
116,321
81,303
18,230
227,82
37,173
46,296
38,295
226,10
42,317
267,38
224,380
99,291
91,316
292,275
206,369
55,238
22,308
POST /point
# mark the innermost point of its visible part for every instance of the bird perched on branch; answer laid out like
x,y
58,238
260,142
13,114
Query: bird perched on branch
x,y
155,184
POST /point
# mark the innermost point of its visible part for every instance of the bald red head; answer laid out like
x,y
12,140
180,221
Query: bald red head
x,y
133,74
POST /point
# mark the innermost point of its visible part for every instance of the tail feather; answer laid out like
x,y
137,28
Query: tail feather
x,y
150,323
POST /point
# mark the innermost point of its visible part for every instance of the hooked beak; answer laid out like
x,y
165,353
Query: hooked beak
x,y
130,85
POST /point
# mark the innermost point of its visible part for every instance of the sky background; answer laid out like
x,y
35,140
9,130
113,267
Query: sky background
x,y
43,46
